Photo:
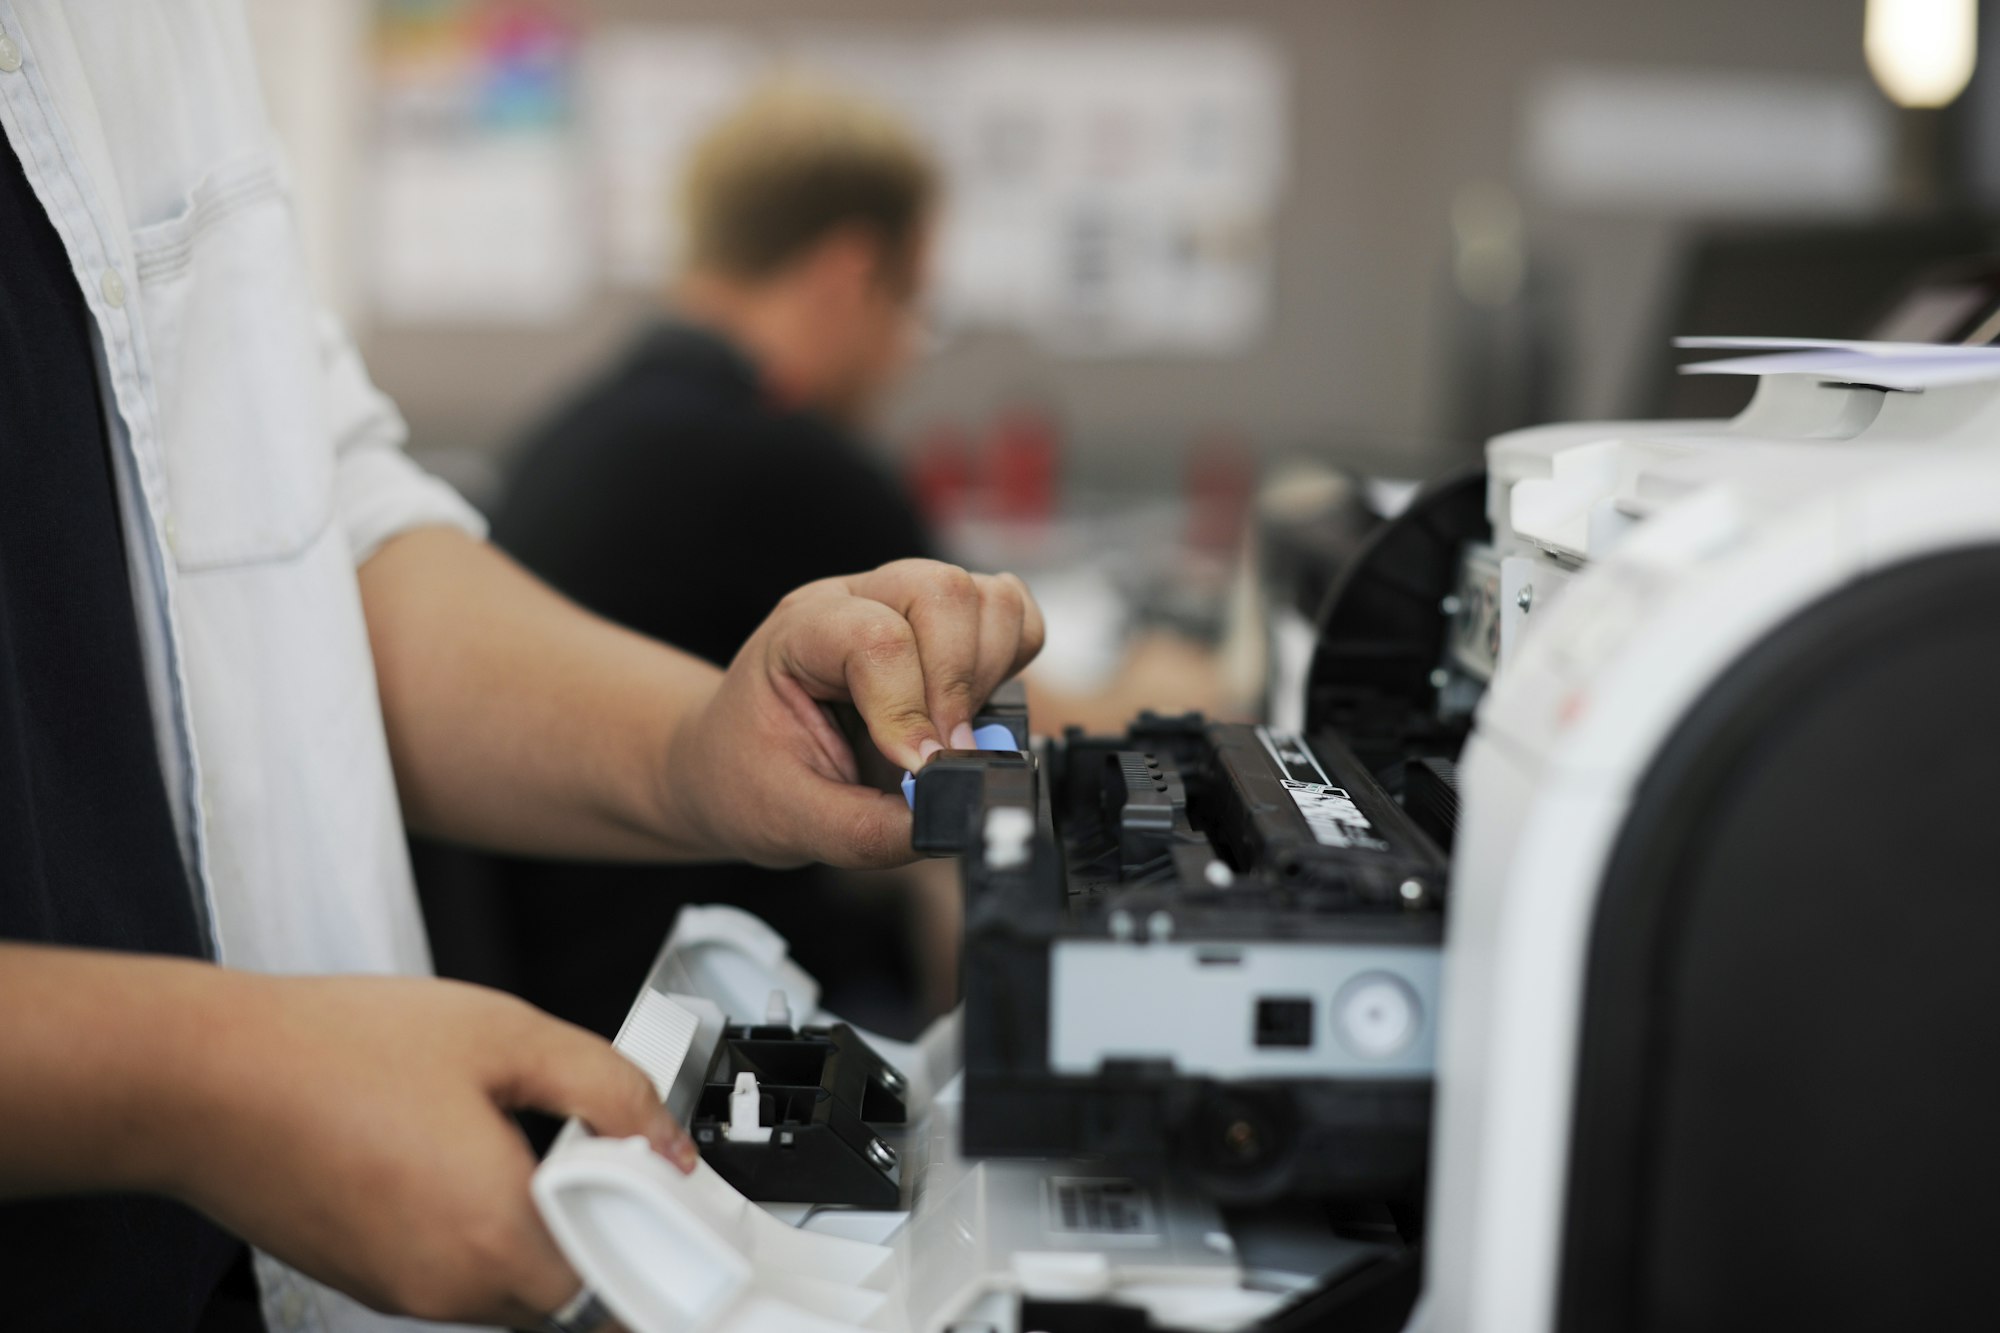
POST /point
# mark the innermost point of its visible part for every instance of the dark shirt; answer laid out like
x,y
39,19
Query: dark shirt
x,y
88,852
673,497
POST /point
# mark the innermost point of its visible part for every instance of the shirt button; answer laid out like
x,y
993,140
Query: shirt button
x,y
10,56
113,287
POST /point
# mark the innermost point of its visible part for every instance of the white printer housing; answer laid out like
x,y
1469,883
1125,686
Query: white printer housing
x,y
1640,563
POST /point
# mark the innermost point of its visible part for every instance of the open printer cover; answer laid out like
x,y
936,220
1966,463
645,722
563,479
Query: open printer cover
x,y
1609,950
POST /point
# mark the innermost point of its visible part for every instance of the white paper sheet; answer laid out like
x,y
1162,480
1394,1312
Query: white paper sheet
x,y
1911,372
1896,349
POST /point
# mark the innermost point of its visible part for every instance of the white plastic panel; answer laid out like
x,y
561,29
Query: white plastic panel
x,y
1373,1008
670,1253
1740,531
728,956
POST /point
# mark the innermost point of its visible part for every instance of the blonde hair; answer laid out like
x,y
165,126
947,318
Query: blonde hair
x,y
792,163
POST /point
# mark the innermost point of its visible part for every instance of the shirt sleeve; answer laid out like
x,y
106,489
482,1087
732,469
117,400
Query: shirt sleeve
x,y
379,492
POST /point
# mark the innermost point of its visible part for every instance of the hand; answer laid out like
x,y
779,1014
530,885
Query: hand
x,y
916,646
355,1128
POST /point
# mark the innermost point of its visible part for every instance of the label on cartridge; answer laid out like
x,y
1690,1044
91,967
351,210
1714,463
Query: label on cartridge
x,y
1333,817
1330,813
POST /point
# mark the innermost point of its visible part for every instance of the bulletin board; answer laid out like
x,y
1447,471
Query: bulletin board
x,y
1112,188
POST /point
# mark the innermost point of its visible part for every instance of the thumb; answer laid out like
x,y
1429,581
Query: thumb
x,y
857,828
567,1071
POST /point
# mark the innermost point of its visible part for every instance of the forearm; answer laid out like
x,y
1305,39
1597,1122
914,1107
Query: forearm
x,y
100,1059
516,719
353,1127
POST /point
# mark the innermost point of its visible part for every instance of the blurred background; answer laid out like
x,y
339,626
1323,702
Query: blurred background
x,y
1361,228
1182,239
1212,281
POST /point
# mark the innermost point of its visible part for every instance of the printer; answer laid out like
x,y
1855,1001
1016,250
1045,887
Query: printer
x,y
1611,949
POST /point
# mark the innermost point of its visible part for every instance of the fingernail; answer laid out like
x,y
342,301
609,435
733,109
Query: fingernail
x,y
673,1143
927,749
961,737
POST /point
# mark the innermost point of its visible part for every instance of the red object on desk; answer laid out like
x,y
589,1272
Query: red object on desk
x,y
1022,454
1221,481
940,474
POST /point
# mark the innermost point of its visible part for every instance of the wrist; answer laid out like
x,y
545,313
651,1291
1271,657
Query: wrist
x,y
683,778
194,1071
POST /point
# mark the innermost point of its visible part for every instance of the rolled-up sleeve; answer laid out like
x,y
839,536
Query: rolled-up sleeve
x,y
378,491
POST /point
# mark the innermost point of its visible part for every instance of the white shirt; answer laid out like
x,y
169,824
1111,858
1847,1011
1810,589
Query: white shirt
x,y
257,468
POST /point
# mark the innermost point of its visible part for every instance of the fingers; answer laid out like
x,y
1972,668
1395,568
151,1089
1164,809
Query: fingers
x,y
917,646
945,609
855,828
1034,630
1010,631
971,632
525,1258
567,1071
839,644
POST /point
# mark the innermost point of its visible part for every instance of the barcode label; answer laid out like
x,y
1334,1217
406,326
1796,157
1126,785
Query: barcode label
x,y
1094,1206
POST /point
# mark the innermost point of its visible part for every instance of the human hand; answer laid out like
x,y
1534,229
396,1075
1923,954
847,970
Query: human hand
x,y
356,1128
917,646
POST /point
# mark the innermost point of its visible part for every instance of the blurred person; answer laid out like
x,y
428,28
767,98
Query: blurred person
x,y
728,439
732,437
242,639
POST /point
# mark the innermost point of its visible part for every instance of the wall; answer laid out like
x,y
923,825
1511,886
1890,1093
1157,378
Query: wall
x,y
313,56
1397,104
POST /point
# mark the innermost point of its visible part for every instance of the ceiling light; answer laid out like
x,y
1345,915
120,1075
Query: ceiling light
x,y
1921,51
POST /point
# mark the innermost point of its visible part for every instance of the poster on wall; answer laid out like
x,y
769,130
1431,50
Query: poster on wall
x,y
476,200
1111,190
1708,143
647,93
